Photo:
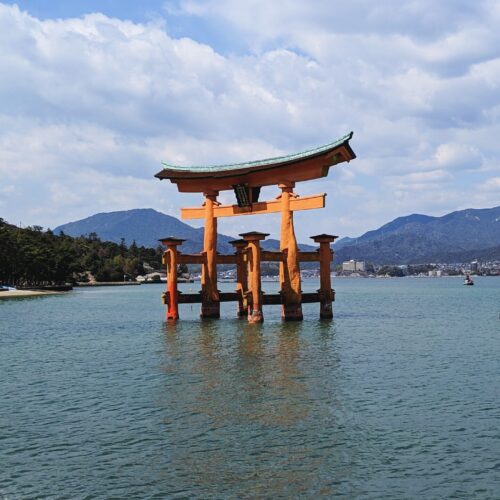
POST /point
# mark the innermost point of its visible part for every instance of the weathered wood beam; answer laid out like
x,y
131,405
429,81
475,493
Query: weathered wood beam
x,y
269,256
226,259
196,298
309,256
271,299
185,258
313,256
261,207
268,298
309,297
191,258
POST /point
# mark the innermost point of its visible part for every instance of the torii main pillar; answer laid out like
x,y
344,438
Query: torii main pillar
x,y
210,303
291,293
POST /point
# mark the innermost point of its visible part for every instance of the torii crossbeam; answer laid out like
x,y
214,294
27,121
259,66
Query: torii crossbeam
x,y
246,180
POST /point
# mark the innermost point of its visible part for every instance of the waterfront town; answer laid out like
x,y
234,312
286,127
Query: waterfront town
x,y
351,269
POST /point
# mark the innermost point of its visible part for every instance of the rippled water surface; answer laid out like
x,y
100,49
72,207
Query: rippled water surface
x,y
398,397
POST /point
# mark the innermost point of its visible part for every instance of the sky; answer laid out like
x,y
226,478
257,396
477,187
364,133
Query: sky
x,y
94,95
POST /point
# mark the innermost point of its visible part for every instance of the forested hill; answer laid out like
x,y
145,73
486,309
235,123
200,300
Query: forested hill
x,y
455,237
145,226
31,257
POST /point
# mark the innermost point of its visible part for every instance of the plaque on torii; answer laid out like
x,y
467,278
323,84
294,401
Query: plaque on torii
x,y
246,180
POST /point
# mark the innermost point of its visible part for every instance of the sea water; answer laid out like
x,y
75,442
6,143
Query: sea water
x,y
398,397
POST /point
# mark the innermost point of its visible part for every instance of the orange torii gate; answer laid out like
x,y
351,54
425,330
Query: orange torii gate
x,y
246,180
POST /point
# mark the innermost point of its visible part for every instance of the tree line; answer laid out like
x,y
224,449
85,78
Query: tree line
x,y
33,257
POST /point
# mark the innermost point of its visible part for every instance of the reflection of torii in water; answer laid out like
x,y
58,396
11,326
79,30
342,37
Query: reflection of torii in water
x,y
262,383
246,180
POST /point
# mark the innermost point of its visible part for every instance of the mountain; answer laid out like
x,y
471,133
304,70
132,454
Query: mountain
x,y
145,226
455,237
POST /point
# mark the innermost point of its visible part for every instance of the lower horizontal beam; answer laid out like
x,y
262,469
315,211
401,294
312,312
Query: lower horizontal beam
x,y
268,298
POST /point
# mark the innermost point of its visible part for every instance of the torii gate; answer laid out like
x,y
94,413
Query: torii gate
x,y
246,180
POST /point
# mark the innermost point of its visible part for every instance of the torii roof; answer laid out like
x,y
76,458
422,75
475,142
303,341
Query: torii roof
x,y
307,165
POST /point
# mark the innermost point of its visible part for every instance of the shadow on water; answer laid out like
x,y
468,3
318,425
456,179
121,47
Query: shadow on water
x,y
235,391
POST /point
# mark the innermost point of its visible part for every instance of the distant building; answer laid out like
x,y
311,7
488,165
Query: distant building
x,y
353,266
350,265
474,266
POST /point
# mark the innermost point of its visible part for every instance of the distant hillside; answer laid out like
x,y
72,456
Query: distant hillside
x,y
458,236
145,226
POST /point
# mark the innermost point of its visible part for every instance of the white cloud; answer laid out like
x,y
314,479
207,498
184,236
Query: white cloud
x,y
458,156
90,106
492,184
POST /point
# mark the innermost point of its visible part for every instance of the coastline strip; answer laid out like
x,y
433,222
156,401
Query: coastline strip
x,y
19,294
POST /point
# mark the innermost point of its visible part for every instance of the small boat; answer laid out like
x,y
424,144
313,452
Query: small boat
x,y
468,280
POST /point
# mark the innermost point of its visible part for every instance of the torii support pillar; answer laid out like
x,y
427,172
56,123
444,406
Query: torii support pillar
x,y
254,294
241,275
210,305
172,294
291,293
326,294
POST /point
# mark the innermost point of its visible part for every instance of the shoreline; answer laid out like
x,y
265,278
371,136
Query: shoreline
x,y
20,294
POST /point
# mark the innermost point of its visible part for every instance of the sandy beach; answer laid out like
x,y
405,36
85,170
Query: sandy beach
x,y
18,294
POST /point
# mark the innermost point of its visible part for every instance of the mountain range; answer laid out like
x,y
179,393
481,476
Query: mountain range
x,y
145,226
456,237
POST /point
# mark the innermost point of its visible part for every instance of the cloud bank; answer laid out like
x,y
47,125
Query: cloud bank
x,y
90,106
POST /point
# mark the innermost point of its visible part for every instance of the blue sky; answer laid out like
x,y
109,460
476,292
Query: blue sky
x,y
95,94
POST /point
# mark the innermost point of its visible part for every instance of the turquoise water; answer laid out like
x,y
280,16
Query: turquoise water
x,y
398,397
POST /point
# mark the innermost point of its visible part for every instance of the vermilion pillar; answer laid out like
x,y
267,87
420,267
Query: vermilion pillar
x,y
289,269
253,239
172,294
326,294
210,305
241,275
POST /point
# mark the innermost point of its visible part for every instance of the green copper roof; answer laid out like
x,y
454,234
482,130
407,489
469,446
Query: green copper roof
x,y
266,162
